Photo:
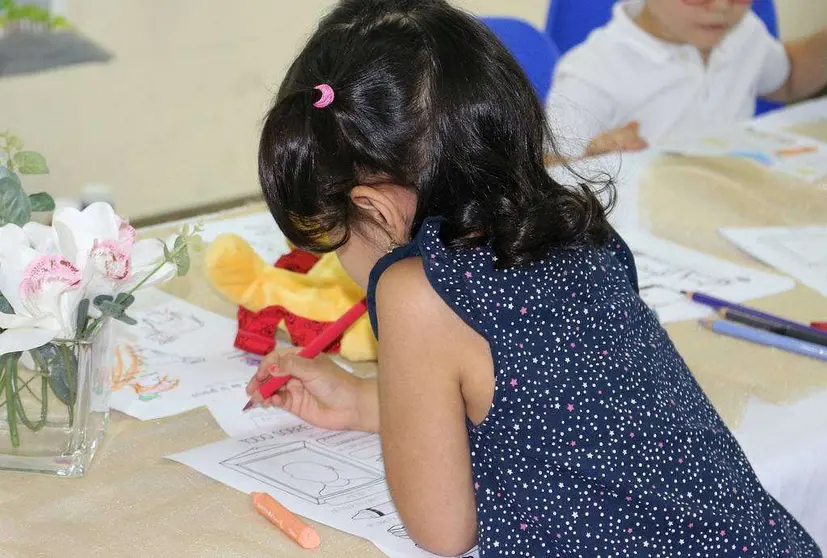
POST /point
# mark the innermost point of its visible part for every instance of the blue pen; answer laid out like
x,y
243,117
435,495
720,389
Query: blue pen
x,y
732,329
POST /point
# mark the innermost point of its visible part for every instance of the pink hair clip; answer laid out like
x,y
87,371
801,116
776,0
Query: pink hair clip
x,y
327,96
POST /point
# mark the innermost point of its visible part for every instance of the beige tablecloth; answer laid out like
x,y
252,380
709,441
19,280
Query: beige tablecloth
x,y
135,503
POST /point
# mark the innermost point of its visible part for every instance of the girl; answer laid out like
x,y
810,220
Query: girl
x,y
527,399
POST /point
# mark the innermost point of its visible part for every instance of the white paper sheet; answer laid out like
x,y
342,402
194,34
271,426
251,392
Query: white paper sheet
x,y
665,269
798,251
178,357
798,156
335,478
258,229
787,448
808,112
228,413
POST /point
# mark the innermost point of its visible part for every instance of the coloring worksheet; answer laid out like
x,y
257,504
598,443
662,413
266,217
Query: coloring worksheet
x,y
798,156
665,269
335,478
798,251
258,229
807,112
178,357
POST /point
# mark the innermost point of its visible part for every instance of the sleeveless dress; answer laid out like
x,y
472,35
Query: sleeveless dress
x,y
599,442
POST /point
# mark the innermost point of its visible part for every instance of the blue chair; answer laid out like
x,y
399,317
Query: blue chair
x,y
570,22
765,9
533,50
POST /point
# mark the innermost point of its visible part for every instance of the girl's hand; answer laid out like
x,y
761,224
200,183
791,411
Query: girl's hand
x,y
626,138
319,392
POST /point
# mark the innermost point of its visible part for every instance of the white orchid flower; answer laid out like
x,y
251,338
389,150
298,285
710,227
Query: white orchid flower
x,y
99,238
43,290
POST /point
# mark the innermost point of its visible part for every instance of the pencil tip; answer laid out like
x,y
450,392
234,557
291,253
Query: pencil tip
x,y
248,406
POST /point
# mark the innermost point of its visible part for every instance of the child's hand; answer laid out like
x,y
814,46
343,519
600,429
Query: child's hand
x,y
626,138
319,392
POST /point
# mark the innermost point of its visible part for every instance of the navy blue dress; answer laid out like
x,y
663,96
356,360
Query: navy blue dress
x,y
599,442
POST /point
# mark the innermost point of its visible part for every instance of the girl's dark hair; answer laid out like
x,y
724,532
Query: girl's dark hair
x,y
427,98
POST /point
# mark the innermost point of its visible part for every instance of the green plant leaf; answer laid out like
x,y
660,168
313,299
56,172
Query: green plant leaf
x,y
60,22
83,317
31,162
63,372
115,309
14,143
125,300
167,253
14,203
182,256
5,307
41,202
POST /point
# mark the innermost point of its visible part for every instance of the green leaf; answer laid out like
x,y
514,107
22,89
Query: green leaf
x,y
115,309
42,202
125,300
60,22
31,162
83,317
167,253
129,320
182,256
14,143
14,203
5,307
63,371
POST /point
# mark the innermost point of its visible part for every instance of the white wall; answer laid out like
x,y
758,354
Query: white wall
x,y
173,120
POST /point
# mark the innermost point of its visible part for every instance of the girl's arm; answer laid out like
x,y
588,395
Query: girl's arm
x,y
422,412
808,73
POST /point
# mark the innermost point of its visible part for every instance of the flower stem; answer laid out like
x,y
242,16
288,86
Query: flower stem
x,y
71,383
10,407
19,403
92,327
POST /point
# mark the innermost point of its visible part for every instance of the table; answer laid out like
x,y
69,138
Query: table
x,y
134,502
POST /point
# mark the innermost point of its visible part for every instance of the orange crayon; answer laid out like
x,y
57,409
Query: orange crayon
x,y
286,520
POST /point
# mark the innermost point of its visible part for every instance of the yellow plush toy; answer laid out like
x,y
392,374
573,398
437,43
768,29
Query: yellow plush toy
x,y
322,294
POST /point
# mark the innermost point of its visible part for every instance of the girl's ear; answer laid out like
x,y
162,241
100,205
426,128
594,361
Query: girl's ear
x,y
388,206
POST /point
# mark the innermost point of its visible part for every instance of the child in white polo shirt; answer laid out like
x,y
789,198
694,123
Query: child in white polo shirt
x,y
662,69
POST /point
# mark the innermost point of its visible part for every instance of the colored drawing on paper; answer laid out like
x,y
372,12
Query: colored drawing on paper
x,y
133,368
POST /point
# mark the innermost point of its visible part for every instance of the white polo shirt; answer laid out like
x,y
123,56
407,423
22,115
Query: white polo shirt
x,y
622,73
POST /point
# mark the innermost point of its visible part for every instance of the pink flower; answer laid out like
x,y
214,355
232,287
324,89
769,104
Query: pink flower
x,y
112,259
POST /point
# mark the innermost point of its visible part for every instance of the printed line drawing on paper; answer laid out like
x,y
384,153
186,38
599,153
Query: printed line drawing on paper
x,y
307,471
385,509
165,325
341,438
661,281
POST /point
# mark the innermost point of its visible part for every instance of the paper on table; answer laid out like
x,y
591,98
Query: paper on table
x,y
178,357
792,154
228,413
335,478
788,450
665,269
258,229
808,112
799,251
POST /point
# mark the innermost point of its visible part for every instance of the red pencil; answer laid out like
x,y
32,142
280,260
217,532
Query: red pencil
x,y
819,325
319,344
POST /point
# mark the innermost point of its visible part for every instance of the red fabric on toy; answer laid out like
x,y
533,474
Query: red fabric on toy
x,y
257,330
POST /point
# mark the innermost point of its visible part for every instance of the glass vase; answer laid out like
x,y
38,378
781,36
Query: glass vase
x,y
54,405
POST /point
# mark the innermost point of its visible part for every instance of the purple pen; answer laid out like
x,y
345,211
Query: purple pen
x,y
719,303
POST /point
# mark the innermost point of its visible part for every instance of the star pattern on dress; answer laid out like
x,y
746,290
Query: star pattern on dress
x,y
599,441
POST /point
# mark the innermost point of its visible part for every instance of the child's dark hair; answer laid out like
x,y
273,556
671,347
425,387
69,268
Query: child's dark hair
x,y
426,98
